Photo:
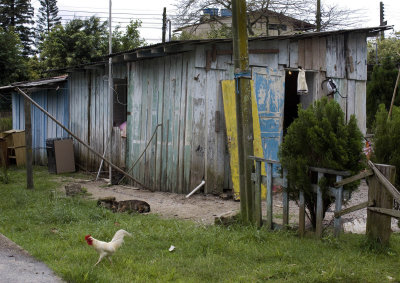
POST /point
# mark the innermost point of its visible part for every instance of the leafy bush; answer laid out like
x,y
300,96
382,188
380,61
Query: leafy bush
x,y
386,138
320,137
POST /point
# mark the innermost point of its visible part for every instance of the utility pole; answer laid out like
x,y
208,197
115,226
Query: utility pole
x,y
110,87
164,24
318,15
382,18
243,109
28,144
169,30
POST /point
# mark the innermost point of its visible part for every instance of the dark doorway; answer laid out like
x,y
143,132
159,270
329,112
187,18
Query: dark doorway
x,y
120,101
291,99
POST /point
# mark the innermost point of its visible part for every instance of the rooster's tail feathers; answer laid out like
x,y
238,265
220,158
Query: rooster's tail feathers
x,y
119,235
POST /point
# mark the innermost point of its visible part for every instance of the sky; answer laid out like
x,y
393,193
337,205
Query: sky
x,y
150,12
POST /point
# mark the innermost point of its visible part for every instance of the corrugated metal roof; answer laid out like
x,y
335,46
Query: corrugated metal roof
x,y
37,83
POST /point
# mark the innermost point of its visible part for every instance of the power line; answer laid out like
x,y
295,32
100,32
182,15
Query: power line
x,y
91,12
106,9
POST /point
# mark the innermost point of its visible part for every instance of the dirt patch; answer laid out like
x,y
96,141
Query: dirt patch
x,y
204,208
199,208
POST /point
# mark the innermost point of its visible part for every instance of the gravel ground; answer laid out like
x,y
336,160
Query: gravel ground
x,y
204,208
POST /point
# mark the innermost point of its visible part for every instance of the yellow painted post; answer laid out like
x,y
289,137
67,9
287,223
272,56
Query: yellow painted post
x,y
228,95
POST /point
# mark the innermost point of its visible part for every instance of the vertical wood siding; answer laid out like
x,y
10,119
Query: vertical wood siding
x,y
53,101
90,108
179,92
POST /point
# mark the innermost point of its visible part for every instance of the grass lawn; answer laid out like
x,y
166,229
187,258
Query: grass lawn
x,y
53,229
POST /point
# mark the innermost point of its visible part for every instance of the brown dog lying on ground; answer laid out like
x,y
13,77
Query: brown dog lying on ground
x,y
130,206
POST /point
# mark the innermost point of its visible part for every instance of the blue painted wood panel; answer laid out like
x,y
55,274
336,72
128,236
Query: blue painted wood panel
x,y
269,86
56,102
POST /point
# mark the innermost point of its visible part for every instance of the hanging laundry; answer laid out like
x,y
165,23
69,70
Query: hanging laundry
x,y
302,88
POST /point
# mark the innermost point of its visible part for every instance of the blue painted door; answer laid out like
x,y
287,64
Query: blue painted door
x,y
270,94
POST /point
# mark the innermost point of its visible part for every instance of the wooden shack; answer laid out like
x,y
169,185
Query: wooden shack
x,y
171,97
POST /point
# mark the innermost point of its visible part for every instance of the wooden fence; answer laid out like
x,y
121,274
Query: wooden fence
x,y
381,194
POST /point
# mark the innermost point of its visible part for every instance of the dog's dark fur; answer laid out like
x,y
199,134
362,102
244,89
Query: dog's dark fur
x,y
130,206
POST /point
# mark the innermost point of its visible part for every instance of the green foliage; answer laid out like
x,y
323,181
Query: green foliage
x,y
52,229
320,137
79,42
216,31
388,49
12,64
83,41
386,139
5,124
219,31
380,89
47,19
185,36
128,40
382,80
16,15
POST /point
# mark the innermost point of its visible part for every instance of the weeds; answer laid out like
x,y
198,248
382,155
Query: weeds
x,y
52,228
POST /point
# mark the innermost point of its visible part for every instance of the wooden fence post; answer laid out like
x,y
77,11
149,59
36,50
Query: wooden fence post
x,y
320,210
338,207
285,201
379,225
269,195
28,144
302,215
257,197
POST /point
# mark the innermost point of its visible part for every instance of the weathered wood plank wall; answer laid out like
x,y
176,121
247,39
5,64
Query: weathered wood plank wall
x,y
179,93
90,108
183,93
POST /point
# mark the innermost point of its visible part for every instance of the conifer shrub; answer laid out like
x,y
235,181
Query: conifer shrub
x,y
386,139
320,137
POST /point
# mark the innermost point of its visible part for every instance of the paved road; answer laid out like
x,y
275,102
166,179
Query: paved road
x,y
17,266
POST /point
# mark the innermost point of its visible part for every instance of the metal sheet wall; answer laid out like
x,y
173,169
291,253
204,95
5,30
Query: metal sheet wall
x,y
56,102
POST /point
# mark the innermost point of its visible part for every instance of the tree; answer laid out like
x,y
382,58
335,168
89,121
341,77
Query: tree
x,y
79,42
12,64
188,12
18,14
386,138
387,49
380,89
382,79
47,18
82,41
130,39
320,137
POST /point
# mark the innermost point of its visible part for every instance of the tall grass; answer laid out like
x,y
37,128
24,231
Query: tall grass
x,y
52,228
5,124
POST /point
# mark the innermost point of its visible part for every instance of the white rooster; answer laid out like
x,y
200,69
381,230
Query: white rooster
x,y
107,249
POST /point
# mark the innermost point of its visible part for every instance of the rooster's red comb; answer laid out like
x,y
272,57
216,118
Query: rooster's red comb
x,y
87,237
